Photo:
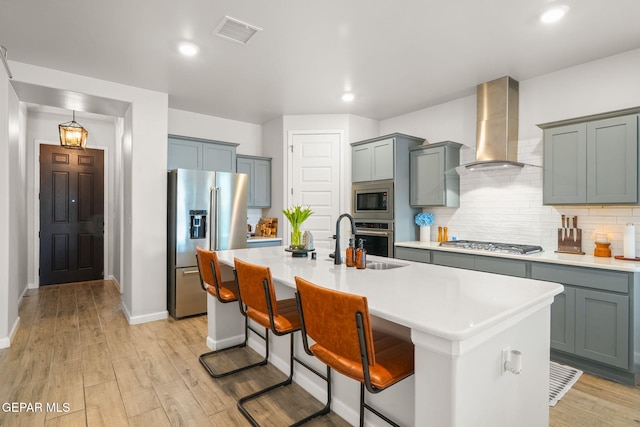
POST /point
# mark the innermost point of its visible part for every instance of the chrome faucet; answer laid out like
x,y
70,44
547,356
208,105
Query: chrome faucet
x,y
337,256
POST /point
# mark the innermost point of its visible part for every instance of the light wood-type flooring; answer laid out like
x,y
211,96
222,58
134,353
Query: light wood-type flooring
x,y
75,351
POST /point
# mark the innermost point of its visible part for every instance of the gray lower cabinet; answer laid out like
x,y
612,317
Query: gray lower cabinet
x,y
451,259
259,171
602,327
591,319
202,154
411,254
595,162
563,321
433,178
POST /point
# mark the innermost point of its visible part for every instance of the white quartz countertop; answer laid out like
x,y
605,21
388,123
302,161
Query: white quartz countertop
x,y
450,303
548,256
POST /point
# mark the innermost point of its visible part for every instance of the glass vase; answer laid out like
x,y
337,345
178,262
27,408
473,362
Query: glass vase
x,y
296,236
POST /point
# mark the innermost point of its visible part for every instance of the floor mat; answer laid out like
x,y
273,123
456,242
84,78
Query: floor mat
x,y
561,379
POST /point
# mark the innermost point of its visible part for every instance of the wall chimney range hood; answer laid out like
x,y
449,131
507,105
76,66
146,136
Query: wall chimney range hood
x,y
496,126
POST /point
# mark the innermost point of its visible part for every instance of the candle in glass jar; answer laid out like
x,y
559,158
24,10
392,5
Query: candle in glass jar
x,y
601,237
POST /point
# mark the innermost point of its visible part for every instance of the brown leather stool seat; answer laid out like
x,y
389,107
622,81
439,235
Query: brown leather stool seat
x,y
225,292
340,325
258,299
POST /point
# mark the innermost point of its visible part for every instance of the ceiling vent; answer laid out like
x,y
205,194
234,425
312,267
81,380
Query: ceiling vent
x,y
238,31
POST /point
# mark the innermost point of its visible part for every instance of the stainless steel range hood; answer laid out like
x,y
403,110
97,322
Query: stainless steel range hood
x,y
496,125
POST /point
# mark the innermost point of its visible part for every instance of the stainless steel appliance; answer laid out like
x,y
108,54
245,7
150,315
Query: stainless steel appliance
x,y
508,248
206,209
373,200
378,237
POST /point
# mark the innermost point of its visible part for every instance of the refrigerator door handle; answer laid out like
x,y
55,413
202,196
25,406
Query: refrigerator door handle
x,y
214,241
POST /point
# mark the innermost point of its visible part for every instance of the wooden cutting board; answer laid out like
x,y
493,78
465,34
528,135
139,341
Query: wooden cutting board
x,y
267,227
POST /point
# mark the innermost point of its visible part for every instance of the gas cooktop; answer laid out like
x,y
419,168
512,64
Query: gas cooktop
x,y
508,248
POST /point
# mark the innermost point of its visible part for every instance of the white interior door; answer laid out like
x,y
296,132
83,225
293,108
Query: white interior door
x,y
314,180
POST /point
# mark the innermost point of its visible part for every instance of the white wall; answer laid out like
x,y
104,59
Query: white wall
x,y
507,206
248,135
144,159
275,140
42,126
13,246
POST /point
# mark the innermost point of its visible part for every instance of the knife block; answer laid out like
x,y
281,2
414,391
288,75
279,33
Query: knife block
x,y
570,241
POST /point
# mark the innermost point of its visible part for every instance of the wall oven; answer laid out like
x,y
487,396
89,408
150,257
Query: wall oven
x,y
377,236
372,200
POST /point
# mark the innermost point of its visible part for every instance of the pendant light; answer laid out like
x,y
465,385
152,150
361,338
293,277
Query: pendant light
x,y
72,134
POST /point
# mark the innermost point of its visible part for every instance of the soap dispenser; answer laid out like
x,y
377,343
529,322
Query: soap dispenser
x,y
361,255
350,255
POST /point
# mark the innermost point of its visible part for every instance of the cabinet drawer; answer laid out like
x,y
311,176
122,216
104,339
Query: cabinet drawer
x,y
410,254
508,267
453,260
584,277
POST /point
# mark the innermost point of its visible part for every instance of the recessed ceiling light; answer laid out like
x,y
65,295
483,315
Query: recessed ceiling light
x,y
554,14
348,97
188,49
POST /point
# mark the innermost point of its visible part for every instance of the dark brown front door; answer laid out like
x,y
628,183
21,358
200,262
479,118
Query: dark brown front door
x,y
71,214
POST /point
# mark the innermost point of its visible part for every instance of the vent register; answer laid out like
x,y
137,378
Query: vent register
x,y
236,30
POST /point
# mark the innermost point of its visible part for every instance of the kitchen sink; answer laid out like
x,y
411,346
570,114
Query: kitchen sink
x,y
377,265
381,265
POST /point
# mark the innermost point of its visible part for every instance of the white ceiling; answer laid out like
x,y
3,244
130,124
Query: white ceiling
x,y
396,56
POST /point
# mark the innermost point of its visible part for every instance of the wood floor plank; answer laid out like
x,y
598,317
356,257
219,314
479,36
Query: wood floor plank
x,y
35,365
104,405
181,406
66,386
156,418
135,386
157,365
66,346
121,342
31,393
72,419
210,394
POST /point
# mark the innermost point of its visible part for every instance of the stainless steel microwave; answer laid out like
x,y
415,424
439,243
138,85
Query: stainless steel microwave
x,y
372,200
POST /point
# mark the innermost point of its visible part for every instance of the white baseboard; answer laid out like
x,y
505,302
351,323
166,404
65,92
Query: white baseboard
x,y
227,342
114,280
144,318
5,342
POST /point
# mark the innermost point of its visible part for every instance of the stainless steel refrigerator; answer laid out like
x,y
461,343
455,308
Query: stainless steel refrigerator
x,y
206,209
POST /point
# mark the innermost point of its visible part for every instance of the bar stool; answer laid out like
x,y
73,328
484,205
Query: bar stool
x,y
224,292
258,296
340,325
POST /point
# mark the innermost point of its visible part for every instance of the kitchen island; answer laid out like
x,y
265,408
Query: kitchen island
x,y
460,321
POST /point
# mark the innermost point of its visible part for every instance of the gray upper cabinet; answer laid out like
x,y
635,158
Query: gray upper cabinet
x,y
202,154
379,158
184,154
259,171
433,179
595,162
218,157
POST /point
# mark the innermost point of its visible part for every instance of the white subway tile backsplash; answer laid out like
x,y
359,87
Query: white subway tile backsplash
x,y
506,206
